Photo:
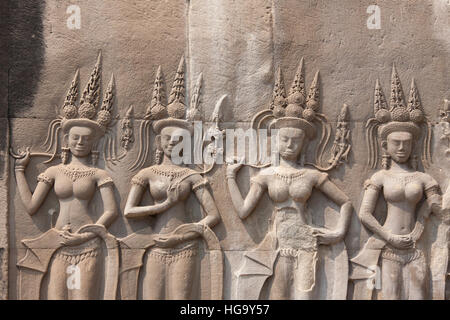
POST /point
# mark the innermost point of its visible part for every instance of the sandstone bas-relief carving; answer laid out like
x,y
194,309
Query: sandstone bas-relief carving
x,y
127,136
443,278
76,240
163,259
395,245
388,121
285,262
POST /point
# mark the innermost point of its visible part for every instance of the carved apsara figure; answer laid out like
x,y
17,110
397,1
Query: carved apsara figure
x,y
286,261
72,248
166,258
444,126
444,293
394,246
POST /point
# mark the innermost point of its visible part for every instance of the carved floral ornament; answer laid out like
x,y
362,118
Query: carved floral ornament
x,y
291,236
444,123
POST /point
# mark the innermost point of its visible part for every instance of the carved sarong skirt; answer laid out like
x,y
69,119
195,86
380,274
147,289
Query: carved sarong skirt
x,y
297,245
170,255
401,256
76,254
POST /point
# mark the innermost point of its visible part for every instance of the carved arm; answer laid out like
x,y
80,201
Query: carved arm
x,y
244,206
31,201
133,210
366,213
339,197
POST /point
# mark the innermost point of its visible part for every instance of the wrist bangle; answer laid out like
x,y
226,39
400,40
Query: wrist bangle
x,y
19,168
230,176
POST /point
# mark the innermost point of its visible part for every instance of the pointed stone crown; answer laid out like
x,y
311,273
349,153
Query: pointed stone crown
x,y
173,113
397,110
297,108
176,107
398,117
87,114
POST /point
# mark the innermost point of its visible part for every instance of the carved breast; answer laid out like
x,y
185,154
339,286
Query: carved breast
x,y
162,177
82,188
159,187
403,188
295,186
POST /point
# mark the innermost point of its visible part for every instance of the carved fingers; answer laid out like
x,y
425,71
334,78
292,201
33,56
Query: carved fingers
x,y
401,241
168,241
22,163
327,237
173,193
232,169
74,239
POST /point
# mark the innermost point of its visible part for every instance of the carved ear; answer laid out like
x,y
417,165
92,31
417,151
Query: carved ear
x,y
384,145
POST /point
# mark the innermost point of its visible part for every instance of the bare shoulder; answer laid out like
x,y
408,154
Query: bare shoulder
x,y
101,174
378,177
317,174
49,175
427,180
103,178
52,171
263,177
195,177
145,173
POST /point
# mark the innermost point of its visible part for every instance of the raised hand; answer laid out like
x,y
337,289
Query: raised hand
x,y
23,162
173,193
232,169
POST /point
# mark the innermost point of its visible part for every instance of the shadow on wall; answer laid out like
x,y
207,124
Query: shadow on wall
x,y
25,52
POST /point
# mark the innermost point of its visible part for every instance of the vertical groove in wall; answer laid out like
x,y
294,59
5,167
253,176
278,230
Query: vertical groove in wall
x,y
272,31
188,54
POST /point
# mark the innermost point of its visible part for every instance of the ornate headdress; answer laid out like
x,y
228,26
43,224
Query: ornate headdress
x,y
396,117
174,113
87,114
297,110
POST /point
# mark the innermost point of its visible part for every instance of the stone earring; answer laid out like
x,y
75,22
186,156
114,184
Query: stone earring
x,y
65,151
94,157
414,162
158,156
386,161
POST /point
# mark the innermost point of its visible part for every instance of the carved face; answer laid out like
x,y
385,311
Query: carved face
x,y
170,137
80,141
399,146
290,142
